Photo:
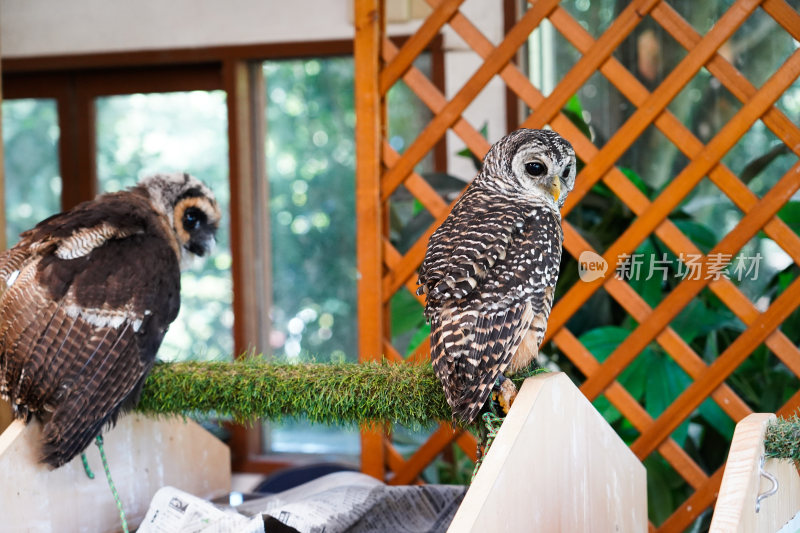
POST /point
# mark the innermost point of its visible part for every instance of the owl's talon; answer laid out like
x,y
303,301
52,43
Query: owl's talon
x,y
503,394
507,395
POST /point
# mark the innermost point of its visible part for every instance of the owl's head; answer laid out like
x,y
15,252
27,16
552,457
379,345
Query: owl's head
x,y
538,163
189,206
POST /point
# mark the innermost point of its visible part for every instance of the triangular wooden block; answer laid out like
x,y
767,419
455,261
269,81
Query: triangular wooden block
x,y
144,454
555,465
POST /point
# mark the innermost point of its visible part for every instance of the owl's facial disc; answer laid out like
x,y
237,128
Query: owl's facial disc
x,y
196,221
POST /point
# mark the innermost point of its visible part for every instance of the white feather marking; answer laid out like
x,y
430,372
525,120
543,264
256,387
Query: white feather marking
x,y
85,240
102,318
12,278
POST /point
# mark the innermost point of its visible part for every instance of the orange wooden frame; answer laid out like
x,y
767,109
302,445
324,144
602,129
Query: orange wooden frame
x,y
383,270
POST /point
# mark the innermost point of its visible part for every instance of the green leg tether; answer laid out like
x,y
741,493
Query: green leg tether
x,y
90,475
493,423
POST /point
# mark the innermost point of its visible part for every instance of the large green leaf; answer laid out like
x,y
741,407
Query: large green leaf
x,y
664,488
636,180
601,342
406,313
700,234
666,383
697,319
573,110
610,413
604,340
790,213
717,418
649,289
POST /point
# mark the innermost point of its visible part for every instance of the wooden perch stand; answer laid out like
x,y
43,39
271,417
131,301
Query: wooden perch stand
x,y
555,465
144,454
746,483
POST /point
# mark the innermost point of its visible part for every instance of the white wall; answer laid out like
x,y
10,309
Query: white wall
x,y
48,27
54,27
461,63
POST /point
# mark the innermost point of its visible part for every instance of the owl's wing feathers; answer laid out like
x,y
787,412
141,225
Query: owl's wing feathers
x,y
85,307
466,246
474,336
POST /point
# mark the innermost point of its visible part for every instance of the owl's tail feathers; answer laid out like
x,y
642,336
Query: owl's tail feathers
x,y
93,401
444,366
468,409
61,443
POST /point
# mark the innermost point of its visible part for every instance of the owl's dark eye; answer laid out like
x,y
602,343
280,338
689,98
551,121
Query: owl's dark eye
x,y
566,172
535,168
192,218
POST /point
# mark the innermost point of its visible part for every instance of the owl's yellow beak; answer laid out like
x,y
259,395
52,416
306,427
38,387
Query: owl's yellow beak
x,y
555,188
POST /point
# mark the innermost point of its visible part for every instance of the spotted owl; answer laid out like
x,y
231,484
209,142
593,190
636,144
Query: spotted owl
x,y
490,269
86,297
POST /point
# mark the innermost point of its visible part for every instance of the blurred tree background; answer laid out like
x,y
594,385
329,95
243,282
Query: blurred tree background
x,y
33,179
310,150
143,134
311,164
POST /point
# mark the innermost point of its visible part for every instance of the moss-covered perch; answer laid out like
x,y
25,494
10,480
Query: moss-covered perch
x,y
325,393
343,393
334,394
783,439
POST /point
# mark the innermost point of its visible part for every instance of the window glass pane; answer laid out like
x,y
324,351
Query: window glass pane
x,y
142,134
32,174
311,168
310,154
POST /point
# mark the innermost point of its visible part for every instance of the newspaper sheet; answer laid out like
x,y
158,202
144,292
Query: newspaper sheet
x,y
354,502
174,511
344,501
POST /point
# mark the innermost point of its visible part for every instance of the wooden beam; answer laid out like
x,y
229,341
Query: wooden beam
x,y
174,56
246,442
369,28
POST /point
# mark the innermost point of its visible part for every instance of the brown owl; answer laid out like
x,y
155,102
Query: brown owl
x,y
85,299
491,268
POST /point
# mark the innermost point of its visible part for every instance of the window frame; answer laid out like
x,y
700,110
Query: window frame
x,y
75,81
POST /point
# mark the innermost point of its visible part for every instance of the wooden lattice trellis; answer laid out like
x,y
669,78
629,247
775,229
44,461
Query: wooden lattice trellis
x,y
380,170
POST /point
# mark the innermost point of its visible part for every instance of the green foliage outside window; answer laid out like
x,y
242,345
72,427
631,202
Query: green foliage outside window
x,y
141,134
32,175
